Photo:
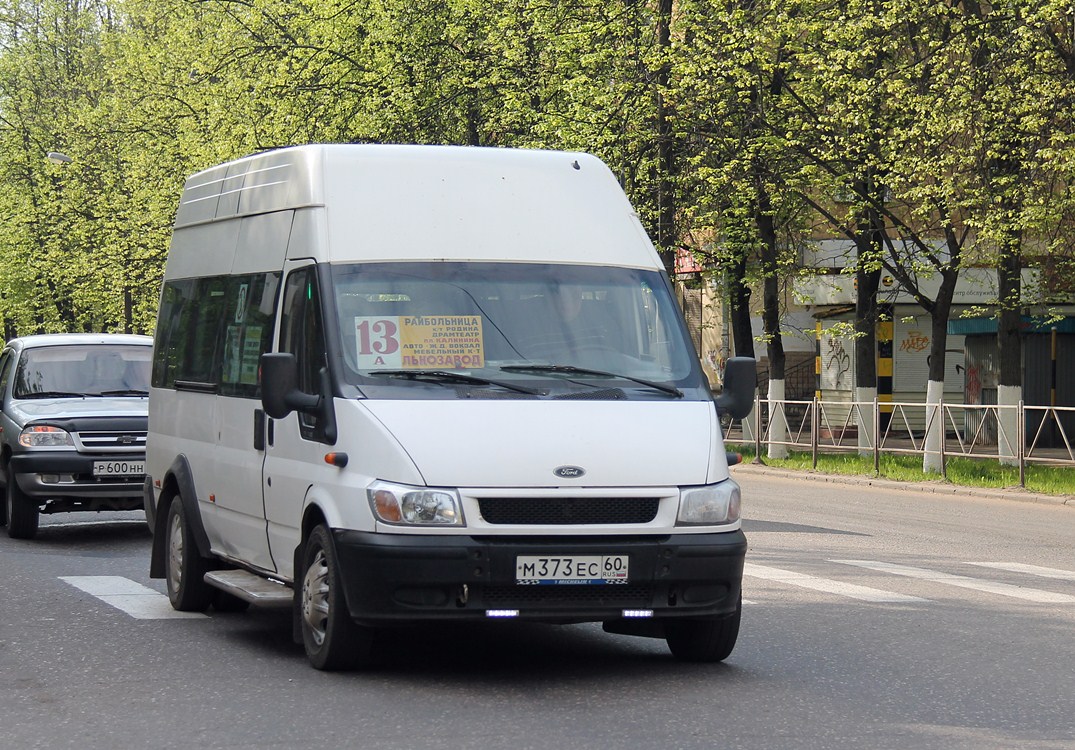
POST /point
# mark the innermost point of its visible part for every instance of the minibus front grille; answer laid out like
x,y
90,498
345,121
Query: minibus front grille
x,y
600,595
537,511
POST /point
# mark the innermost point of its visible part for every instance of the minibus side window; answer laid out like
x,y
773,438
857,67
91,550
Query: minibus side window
x,y
250,311
186,350
301,334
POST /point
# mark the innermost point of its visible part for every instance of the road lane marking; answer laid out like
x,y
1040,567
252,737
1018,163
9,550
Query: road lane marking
x,y
977,584
131,597
863,593
1034,570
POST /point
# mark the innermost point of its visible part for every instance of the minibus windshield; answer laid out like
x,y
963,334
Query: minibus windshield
x,y
513,323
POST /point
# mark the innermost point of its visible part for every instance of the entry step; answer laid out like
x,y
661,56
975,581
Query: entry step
x,y
261,592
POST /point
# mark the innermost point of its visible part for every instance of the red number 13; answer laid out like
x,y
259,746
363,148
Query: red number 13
x,y
378,337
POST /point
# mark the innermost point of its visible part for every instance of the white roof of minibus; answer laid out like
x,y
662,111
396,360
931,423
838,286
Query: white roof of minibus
x,y
422,203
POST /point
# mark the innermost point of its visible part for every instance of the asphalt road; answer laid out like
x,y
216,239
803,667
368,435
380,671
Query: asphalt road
x,y
875,618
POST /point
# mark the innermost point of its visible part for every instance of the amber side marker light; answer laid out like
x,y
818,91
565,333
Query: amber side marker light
x,y
734,458
336,459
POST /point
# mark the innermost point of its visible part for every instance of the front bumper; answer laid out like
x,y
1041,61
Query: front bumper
x,y
76,469
398,578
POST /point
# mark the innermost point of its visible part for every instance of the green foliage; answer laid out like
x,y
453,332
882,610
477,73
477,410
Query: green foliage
x,y
938,117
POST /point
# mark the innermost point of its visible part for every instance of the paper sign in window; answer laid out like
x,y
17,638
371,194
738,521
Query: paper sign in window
x,y
419,342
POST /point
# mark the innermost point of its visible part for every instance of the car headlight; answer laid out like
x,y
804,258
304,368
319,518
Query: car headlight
x,y
45,436
415,506
710,505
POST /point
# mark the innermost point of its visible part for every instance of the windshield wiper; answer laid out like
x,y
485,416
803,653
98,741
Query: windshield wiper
x,y
572,370
124,392
51,394
444,376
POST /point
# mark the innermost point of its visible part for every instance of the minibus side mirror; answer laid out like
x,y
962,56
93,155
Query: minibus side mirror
x,y
740,384
280,394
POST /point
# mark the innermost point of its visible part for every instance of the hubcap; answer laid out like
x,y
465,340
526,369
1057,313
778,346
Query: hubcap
x,y
315,595
175,554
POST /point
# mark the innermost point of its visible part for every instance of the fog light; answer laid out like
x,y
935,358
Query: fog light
x,y
50,478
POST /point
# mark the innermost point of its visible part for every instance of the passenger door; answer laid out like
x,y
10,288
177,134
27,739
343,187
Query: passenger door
x,y
239,510
296,445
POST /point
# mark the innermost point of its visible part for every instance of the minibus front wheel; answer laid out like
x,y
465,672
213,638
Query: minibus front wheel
x,y
704,639
331,638
184,568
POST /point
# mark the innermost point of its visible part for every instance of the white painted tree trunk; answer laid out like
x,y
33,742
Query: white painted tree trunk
x,y
864,398
931,458
1008,397
748,423
778,425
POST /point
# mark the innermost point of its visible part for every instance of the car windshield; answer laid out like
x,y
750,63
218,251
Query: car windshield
x,y
568,326
83,370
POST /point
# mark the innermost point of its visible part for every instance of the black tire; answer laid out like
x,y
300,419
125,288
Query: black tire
x,y
331,638
21,510
184,568
704,639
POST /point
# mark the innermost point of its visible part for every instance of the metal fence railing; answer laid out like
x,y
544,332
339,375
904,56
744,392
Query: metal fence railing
x,y
1018,434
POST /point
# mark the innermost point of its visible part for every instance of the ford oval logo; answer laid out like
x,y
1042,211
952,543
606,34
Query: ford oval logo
x,y
569,472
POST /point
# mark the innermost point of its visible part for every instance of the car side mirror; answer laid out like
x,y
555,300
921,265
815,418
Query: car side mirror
x,y
280,394
740,385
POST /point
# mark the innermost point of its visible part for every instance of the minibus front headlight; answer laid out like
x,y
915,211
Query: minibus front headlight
x,y
710,505
45,436
414,506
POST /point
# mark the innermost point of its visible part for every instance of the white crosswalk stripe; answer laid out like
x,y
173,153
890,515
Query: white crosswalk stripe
x,y
131,597
966,582
1034,570
863,593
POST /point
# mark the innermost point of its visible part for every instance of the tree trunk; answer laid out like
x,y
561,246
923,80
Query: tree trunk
x,y
869,246
1009,349
742,336
932,461
666,203
774,343
739,297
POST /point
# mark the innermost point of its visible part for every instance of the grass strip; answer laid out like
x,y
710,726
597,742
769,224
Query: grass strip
x,y
965,472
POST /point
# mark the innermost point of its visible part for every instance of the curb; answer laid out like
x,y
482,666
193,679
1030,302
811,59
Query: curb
x,y
938,487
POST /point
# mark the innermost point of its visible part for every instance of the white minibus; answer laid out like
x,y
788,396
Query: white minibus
x,y
399,385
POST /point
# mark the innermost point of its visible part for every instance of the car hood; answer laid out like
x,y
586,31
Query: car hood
x,y
523,443
73,408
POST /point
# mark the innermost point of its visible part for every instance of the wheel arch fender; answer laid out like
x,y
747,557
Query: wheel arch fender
x,y
312,516
178,482
320,503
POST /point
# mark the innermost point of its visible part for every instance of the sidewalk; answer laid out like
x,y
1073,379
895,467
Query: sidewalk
x,y
939,486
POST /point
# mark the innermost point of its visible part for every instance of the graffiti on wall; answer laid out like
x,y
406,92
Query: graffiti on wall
x,y
836,373
974,385
914,341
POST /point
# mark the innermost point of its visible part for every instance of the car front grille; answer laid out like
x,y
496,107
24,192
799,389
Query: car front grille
x,y
568,510
127,441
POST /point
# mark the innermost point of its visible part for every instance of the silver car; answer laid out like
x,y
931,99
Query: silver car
x,y
73,425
